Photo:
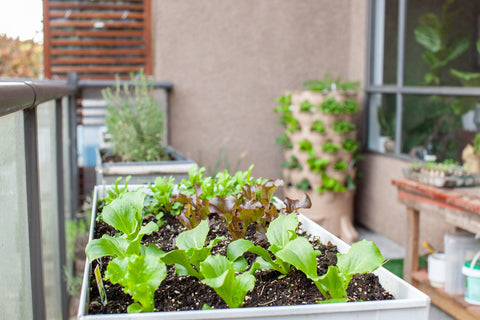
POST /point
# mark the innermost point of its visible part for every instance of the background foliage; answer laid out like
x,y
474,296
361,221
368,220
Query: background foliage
x,y
20,59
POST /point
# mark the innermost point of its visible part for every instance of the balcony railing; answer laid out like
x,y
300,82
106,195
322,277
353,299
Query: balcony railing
x,y
39,188
37,160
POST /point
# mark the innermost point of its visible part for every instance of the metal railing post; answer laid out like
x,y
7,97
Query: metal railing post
x,y
72,116
33,213
61,205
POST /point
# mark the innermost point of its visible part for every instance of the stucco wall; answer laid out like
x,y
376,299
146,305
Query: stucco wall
x,y
229,60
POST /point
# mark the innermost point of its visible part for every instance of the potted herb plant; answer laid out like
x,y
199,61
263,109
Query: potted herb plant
x,y
135,137
225,247
320,147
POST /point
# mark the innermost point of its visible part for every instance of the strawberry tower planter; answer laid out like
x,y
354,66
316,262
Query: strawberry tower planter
x,y
319,146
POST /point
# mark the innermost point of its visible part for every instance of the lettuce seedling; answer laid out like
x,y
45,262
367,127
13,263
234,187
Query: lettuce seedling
x,y
194,210
289,249
125,214
318,126
363,257
343,126
317,165
220,274
330,147
191,250
350,145
139,275
306,106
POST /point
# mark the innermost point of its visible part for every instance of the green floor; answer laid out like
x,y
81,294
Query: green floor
x,y
396,265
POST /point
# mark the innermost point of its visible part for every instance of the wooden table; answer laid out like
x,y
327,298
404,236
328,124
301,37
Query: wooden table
x,y
459,207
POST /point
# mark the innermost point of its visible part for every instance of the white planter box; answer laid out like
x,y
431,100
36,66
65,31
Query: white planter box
x,y
143,172
409,303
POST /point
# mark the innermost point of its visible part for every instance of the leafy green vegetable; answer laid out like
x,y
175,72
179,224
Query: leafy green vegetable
x,y
318,126
292,164
329,84
317,165
330,147
303,185
350,145
330,184
220,275
340,165
191,250
351,106
305,145
284,141
140,276
306,106
125,215
331,106
343,126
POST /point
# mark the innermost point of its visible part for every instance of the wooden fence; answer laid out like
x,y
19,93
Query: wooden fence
x,y
97,39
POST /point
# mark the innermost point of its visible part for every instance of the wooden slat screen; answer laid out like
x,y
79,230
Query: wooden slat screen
x,y
96,39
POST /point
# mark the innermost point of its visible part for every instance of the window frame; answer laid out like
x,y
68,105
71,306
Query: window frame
x,y
374,73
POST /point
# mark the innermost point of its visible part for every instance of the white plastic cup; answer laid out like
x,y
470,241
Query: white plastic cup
x,y
436,269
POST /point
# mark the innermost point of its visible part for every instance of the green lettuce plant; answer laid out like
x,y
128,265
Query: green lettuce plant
x,y
140,276
191,250
231,284
125,214
290,250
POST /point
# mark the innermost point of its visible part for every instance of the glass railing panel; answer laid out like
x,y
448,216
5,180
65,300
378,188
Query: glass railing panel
x,y
15,283
47,156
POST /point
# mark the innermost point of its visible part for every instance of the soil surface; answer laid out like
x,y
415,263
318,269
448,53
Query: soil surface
x,y
188,293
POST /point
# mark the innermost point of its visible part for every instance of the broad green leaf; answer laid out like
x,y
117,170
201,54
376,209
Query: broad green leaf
x,y
428,37
125,213
363,257
194,238
300,253
331,282
281,231
220,275
198,255
140,276
179,258
148,228
106,246
459,46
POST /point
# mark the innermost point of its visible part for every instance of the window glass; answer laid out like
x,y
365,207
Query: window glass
x,y
384,40
382,115
440,42
438,126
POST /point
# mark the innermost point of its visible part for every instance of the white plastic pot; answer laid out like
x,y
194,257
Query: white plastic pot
x,y
436,269
409,303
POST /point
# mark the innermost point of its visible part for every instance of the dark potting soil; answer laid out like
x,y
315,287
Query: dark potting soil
x,y
188,293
